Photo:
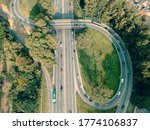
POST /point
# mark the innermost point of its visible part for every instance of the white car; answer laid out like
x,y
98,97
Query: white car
x,y
60,45
122,80
119,93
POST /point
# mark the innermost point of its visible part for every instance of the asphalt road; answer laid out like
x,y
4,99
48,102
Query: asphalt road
x,y
64,77
122,99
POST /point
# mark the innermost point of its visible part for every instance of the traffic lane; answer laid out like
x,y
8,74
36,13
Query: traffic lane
x,y
56,79
71,70
68,72
64,67
72,65
123,106
61,76
60,102
67,93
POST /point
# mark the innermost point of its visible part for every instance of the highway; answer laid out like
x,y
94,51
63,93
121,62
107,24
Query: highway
x,y
67,70
64,77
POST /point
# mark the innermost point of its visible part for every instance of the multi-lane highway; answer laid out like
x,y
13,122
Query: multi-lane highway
x,y
67,76
64,74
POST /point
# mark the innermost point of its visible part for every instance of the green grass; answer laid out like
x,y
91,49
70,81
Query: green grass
x,y
78,13
82,107
26,7
99,63
44,99
130,108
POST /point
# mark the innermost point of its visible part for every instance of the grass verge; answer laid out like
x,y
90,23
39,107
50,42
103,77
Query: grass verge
x,y
130,108
44,97
26,7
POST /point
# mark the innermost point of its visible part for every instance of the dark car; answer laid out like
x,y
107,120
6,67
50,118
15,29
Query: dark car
x,y
61,87
122,107
90,99
61,69
85,95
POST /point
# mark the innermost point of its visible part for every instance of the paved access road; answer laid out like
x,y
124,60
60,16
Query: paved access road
x,y
67,58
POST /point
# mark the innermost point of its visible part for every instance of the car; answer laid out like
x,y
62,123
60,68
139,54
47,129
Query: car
x,y
80,83
72,42
90,99
12,5
61,87
60,43
119,93
61,55
74,50
72,32
70,111
122,80
124,51
61,69
85,95
122,107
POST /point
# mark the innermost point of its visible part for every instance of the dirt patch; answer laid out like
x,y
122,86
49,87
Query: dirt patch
x,y
28,30
4,8
1,67
4,101
11,22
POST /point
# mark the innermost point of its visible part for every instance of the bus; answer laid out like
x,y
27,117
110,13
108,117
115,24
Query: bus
x,y
54,94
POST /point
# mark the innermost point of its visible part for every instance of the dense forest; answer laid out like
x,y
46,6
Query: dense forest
x,y
40,42
134,31
24,60
24,73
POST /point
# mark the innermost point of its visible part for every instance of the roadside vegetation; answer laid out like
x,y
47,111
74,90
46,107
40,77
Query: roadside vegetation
x,y
99,64
44,97
78,13
82,107
24,75
40,42
35,8
134,31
